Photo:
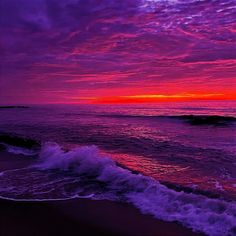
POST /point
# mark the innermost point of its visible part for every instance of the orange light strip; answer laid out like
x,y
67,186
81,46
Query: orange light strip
x,y
152,98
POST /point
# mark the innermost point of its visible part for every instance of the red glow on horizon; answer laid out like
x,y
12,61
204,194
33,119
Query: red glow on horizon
x,y
154,98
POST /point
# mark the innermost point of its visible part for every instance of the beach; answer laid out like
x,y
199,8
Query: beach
x,y
81,217
76,216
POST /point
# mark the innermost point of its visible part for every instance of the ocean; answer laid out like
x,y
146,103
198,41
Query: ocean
x,y
175,161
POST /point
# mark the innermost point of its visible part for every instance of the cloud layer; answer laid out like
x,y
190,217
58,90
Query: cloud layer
x,y
56,50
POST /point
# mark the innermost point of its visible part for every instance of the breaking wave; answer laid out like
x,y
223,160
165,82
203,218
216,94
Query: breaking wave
x,y
84,172
21,142
20,150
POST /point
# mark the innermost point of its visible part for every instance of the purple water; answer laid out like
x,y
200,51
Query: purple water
x,y
173,166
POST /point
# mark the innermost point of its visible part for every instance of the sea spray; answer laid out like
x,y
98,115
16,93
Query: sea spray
x,y
87,173
195,211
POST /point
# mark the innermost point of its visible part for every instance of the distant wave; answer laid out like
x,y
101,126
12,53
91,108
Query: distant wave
x,y
12,107
16,141
207,120
84,172
191,119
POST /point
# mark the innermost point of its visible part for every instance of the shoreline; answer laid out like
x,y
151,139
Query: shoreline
x,y
76,216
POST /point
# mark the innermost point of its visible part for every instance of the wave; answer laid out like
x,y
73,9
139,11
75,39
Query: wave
x,y
20,150
84,172
191,119
207,120
13,107
16,141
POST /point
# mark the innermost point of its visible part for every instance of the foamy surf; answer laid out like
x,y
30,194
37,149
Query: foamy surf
x,y
20,150
85,173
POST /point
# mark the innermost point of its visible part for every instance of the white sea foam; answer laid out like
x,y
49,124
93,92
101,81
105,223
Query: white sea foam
x,y
214,217
20,150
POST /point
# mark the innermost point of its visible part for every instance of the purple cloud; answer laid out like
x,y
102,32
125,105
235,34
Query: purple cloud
x,y
130,46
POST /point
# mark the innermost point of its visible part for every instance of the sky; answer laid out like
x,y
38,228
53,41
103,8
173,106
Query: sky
x,y
110,51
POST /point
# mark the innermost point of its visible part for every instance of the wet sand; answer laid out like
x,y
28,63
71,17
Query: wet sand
x,y
81,217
